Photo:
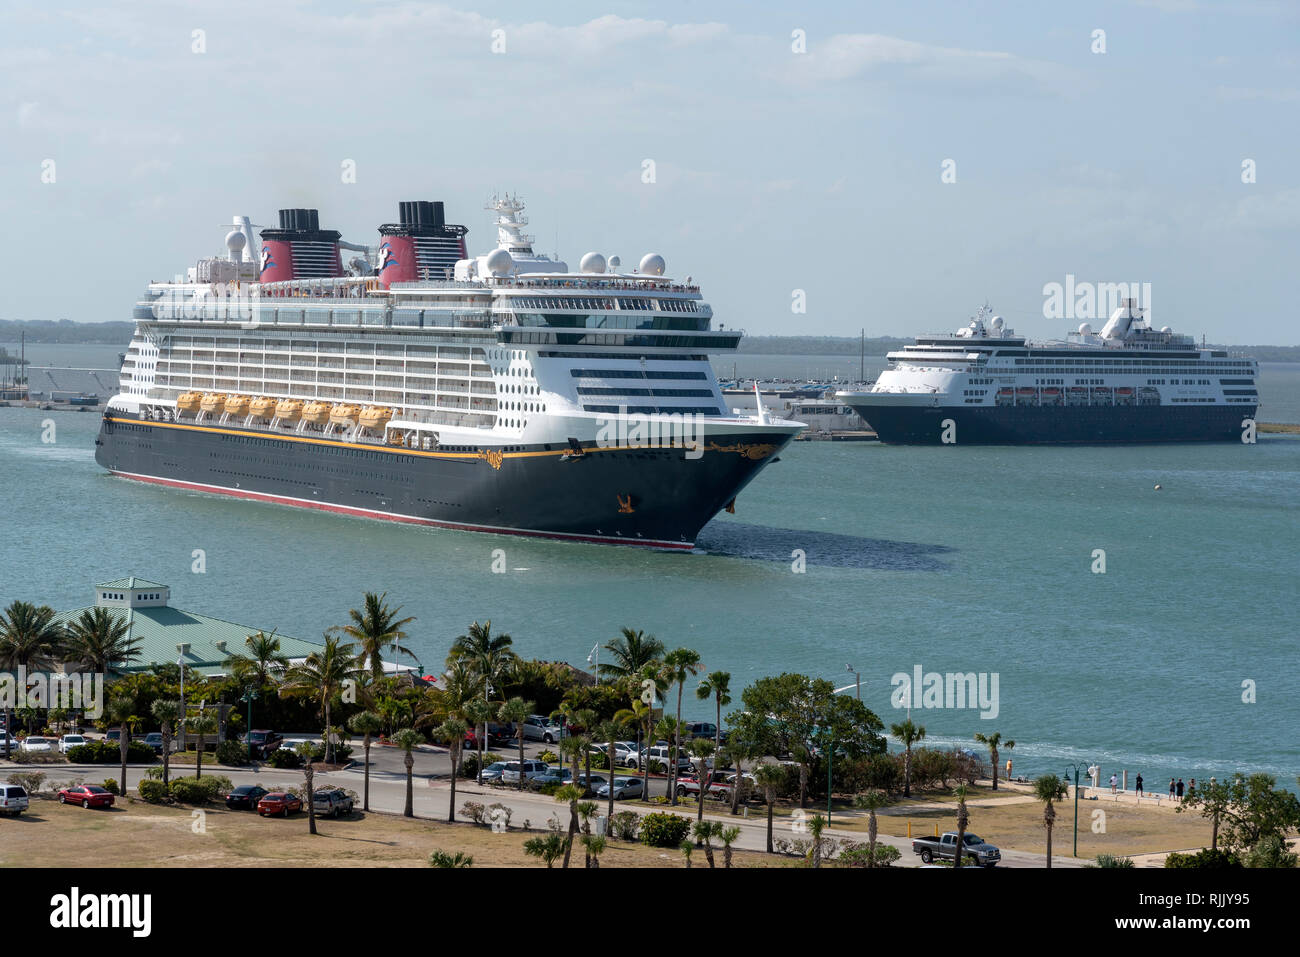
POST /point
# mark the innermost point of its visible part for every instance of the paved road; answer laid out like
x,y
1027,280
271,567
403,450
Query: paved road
x,y
432,769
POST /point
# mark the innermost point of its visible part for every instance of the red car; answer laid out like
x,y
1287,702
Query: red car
x,y
87,795
279,802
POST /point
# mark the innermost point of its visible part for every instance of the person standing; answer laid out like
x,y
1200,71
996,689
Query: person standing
x,y
1138,789
1180,789
1191,787
1008,769
1171,789
1112,784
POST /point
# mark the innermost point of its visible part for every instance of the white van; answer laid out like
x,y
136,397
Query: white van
x,y
13,799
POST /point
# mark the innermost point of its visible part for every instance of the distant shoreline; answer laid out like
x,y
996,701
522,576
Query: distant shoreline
x,y
118,333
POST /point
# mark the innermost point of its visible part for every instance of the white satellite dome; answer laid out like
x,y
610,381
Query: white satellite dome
x,y
500,262
1085,328
1166,329
593,262
652,264
236,241
614,263
997,322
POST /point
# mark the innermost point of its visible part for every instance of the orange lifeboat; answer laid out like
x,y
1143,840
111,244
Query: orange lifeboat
x,y
375,417
344,414
317,412
213,402
289,410
237,405
262,407
189,401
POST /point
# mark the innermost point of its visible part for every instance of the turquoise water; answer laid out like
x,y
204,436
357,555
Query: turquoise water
x,y
955,559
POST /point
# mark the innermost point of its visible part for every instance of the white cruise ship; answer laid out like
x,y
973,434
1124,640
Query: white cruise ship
x,y
501,392
1129,383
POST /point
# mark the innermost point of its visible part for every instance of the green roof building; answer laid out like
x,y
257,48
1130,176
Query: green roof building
x,y
168,634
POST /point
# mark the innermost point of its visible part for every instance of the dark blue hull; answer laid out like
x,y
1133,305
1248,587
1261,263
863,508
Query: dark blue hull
x,y
655,496
1056,425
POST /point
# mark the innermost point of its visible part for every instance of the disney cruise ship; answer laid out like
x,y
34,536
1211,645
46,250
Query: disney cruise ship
x,y
1130,383
501,392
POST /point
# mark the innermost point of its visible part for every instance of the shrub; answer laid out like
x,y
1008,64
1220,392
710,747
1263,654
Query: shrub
x,y
549,790
474,811
859,855
152,791
110,785
1110,860
660,829
37,757
1271,851
445,859
550,757
107,752
624,825
284,760
29,781
1219,860
232,753
199,790
599,762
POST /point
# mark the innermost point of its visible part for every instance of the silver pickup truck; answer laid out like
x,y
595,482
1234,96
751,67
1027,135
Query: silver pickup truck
x,y
943,848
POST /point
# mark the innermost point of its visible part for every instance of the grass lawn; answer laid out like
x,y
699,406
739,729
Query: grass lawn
x,y
135,834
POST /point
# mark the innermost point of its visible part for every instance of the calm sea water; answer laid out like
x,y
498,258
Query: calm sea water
x,y
954,559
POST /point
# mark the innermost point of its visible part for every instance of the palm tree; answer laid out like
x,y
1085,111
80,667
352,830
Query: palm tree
x,y
704,832
963,820
169,715
549,848
322,676
1049,789
679,664
121,712
309,787
377,630
909,734
608,732
571,794
99,642
449,860
993,742
453,732
263,662
770,777
701,750
492,658
407,739
718,687
29,639
729,836
686,847
632,651
516,711
479,712
658,685
815,827
739,750
595,847
872,801
202,724
366,723
667,729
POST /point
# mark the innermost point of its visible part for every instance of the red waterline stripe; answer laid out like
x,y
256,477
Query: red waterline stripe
x,y
408,519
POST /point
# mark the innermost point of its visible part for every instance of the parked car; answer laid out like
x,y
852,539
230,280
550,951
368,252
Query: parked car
x,y
492,773
14,743
715,787
497,734
662,754
245,797
944,848
262,742
13,799
332,802
278,802
154,739
34,744
87,795
551,776
70,741
625,753
529,769
702,729
541,728
624,788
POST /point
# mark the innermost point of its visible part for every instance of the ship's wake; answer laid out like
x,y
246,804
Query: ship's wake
x,y
738,540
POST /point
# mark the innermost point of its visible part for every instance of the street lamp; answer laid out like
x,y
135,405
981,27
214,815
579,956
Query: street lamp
x,y
858,676
1075,768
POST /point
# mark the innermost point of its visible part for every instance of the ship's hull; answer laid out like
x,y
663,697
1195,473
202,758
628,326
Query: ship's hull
x,y
657,497
1053,425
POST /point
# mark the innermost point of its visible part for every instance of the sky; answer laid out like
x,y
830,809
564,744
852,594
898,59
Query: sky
x,y
886,167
